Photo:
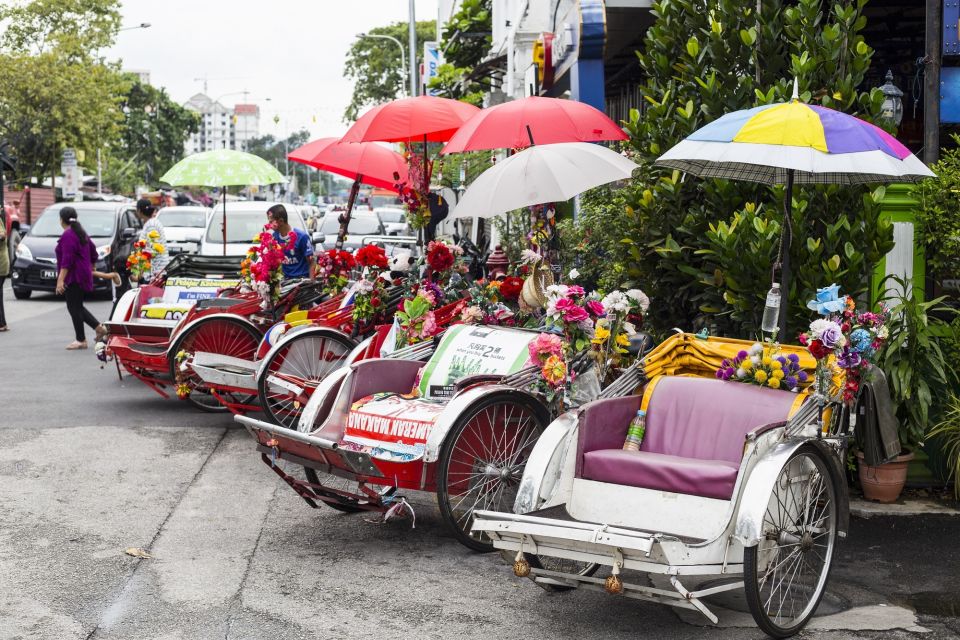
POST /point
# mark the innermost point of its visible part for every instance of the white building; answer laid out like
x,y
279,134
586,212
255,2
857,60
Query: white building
x,y
220,126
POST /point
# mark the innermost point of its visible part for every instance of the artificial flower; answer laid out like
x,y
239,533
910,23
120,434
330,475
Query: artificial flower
x,y
439,256
510,288
554,371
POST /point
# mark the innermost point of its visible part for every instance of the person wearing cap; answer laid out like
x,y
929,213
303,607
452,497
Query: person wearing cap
x,y
298,261
152,233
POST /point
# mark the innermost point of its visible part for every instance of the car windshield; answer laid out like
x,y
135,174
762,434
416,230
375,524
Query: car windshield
x,y
391,215
98,223
363,226
196,219
242,226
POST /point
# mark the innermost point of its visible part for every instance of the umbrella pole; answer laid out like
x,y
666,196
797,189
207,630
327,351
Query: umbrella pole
x,y
345,220
786,237
224,225
422,234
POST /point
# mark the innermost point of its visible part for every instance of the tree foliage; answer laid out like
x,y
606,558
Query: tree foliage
x,y
703,248
939,214
75,29
465,40
375,65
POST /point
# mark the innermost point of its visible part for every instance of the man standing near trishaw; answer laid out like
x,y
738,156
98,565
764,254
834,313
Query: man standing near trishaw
x,y
298,260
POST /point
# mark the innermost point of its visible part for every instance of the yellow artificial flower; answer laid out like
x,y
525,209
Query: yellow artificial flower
x,y
600,335
153,234
747,364
158,247
767,361
554,371
623,340
760,376
774,383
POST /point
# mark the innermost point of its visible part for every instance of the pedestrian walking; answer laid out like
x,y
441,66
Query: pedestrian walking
x,y
76,256
298,259
155,237
4,265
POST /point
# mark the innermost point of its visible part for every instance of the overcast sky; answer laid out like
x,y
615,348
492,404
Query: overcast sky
x,y
291,51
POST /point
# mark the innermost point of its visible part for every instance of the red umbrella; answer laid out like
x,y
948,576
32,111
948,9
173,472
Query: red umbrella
x,y
411,120
520,123
372,163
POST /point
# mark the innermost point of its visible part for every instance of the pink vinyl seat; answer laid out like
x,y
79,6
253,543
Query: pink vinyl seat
x,y
694,438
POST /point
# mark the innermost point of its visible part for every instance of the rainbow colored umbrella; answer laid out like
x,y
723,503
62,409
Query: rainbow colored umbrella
x,y
794,143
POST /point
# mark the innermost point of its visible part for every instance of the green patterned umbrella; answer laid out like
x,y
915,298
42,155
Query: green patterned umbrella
x,y
223,168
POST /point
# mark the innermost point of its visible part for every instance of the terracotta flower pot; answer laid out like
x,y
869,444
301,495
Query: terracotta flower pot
x,y
884,482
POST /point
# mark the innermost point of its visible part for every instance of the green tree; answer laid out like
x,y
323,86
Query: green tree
x,y
465,40
940,214
153,134
375,66
53,93
702,249
275,151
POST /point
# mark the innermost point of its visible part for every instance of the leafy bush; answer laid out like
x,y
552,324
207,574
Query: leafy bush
x,y
939,214
948,432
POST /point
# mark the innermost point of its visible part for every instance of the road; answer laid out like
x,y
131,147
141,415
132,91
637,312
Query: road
x,y
92,465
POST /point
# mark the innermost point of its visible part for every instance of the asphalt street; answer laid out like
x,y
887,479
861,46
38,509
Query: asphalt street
x,y
91,465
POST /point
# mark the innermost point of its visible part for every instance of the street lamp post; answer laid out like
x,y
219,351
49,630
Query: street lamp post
x,y
403,57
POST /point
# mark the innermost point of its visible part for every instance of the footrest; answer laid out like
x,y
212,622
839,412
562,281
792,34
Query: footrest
x,y
225,371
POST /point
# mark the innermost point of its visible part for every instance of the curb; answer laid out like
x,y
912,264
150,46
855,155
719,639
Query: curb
x,y
867,509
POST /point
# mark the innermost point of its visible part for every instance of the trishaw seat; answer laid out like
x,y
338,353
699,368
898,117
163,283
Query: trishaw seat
x,y
695,432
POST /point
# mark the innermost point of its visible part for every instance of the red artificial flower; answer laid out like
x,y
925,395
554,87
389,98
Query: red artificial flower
x,y
439,256
817,350
511,287
372,256
845,327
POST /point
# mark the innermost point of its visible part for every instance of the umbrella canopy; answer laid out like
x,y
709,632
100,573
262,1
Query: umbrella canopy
x,y
411,119
372,163
547,173
222,168
818,145
521,123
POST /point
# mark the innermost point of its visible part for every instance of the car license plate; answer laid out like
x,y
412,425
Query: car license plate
x,y
48,274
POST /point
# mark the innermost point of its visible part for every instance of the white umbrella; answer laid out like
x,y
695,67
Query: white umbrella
x,y
540,174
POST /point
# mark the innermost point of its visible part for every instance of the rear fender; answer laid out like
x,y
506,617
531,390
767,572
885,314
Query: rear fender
x,y
359,351
125,306
300,331
759,487
545,471
457,406
330,385
182,329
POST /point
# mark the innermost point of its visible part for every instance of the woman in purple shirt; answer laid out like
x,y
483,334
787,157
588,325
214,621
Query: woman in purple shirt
x,y
76,255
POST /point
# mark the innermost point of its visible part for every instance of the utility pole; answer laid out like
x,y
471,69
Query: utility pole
x,y
413,48
931,83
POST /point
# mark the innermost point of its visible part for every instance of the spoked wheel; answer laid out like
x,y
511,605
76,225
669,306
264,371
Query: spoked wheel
x,y
562,565
785,575
302,361
343,504
482,461
226,336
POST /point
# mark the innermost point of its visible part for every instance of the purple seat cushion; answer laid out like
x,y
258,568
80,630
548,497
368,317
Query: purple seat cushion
x,y
707,478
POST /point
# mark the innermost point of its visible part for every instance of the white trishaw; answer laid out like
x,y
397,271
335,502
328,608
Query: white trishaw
x,y
733,482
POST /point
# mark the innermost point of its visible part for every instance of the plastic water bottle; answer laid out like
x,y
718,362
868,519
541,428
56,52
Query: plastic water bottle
x,y
771,310
635,432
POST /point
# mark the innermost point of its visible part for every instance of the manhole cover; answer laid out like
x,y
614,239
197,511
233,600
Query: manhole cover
x,y
735,600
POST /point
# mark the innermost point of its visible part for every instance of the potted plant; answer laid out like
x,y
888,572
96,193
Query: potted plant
x,y
916,368
947,431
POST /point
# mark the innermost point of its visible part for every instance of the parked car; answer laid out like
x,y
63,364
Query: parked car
x,y
113,227
184,227
394,220
361,226
244,221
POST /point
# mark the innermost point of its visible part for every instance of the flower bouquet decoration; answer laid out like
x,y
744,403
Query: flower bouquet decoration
x,y
415,319
548,352
764,366
368,290
333,269
262,268
493,303
139,262
414,193
617,317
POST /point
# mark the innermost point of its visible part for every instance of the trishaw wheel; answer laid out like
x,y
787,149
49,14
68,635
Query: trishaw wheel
x,y
785,575
482,461
227,336
303,360
562,565
343,504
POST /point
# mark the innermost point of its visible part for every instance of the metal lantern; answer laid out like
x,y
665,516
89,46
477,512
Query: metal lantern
x,y
497,263
892,108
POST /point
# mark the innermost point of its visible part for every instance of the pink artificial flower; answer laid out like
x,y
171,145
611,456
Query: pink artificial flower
x,y
575,290
595,307
570,311
544,346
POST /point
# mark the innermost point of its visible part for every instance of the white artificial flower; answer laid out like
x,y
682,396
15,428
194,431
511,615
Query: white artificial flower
x,y
574,274
616,302
629,328
755,360
529,256
883,332
640,298
756,349
741,373
817,327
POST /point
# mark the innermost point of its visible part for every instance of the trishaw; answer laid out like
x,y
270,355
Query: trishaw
x,y
294,356
231,323
735,482
461,424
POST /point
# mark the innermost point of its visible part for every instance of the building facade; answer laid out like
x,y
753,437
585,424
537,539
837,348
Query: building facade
x,y
221,127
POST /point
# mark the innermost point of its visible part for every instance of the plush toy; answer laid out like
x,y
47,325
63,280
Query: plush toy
x,y
400,264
